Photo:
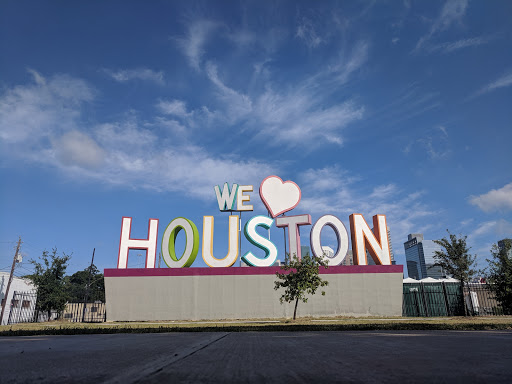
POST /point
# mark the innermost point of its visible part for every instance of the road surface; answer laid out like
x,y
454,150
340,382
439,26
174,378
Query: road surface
x,y
261,357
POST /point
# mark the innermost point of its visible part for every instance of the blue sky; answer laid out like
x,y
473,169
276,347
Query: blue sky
x,y
111,109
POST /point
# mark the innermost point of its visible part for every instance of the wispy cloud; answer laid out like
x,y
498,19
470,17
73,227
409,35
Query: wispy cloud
x,y
450,47
144,74
494,200
502,82
306,32
237,104
300,115
436,145
333,190
351,63
435,142
452,12
77,148
173,107
29,112
297,119
192,44
410,102
487,233
292,115
40,123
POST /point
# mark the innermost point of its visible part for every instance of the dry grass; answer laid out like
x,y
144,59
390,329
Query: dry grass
x,y
302,324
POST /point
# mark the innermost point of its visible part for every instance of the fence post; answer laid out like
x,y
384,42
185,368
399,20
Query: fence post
x,y
425,303
470,299
446,304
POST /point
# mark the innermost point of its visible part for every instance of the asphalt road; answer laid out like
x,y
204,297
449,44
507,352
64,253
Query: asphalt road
x,y
261,357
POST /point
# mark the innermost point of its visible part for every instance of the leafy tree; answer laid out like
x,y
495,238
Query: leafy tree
x,y
48,277
76,285
300,278
499,274
455,259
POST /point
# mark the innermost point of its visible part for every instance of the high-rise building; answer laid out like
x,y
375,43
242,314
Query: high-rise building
x,y
349,259
501,246
419,254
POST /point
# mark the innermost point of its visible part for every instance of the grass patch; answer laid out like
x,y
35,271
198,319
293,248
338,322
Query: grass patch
x,y
281,325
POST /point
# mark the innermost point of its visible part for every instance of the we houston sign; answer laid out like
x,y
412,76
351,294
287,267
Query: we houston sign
x,y
279,197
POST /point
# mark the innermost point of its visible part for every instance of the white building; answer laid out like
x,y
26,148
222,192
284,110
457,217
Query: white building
x,y
17,285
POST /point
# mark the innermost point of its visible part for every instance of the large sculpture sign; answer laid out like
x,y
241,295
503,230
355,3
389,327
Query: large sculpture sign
x,y
279,197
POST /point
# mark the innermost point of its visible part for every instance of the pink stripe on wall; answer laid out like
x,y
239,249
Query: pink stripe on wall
x,y
245,271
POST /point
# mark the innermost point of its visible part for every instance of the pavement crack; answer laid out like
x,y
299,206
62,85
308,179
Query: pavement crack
x,y
178,359
138,375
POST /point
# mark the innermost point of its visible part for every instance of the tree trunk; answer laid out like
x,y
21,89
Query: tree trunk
x,y
295,310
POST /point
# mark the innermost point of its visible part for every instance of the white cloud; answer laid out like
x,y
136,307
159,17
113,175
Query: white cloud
x,y
452,12
136,159
494,200
237,104
50,106
436,143
41,124
173,107
487,233
332,190
306,32
192,43
296,119
76,148
449,47
351,63
300,115
38,78
144,74
502,82
295,116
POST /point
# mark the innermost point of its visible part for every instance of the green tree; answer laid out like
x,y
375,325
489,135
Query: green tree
x,y
48,278
456,259
499,274
76,285
300,278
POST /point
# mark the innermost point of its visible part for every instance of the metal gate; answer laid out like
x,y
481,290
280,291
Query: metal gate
x,y
448,299
23,310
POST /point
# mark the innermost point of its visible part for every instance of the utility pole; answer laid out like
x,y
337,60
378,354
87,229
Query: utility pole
x,y
87,286
10,279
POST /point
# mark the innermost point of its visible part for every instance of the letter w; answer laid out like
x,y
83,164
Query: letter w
x,y
226,199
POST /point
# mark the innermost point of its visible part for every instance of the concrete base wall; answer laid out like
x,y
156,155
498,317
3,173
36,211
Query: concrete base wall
x,y
244,293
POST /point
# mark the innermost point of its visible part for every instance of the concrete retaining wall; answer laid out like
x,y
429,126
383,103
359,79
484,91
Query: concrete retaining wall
x,y
244,293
